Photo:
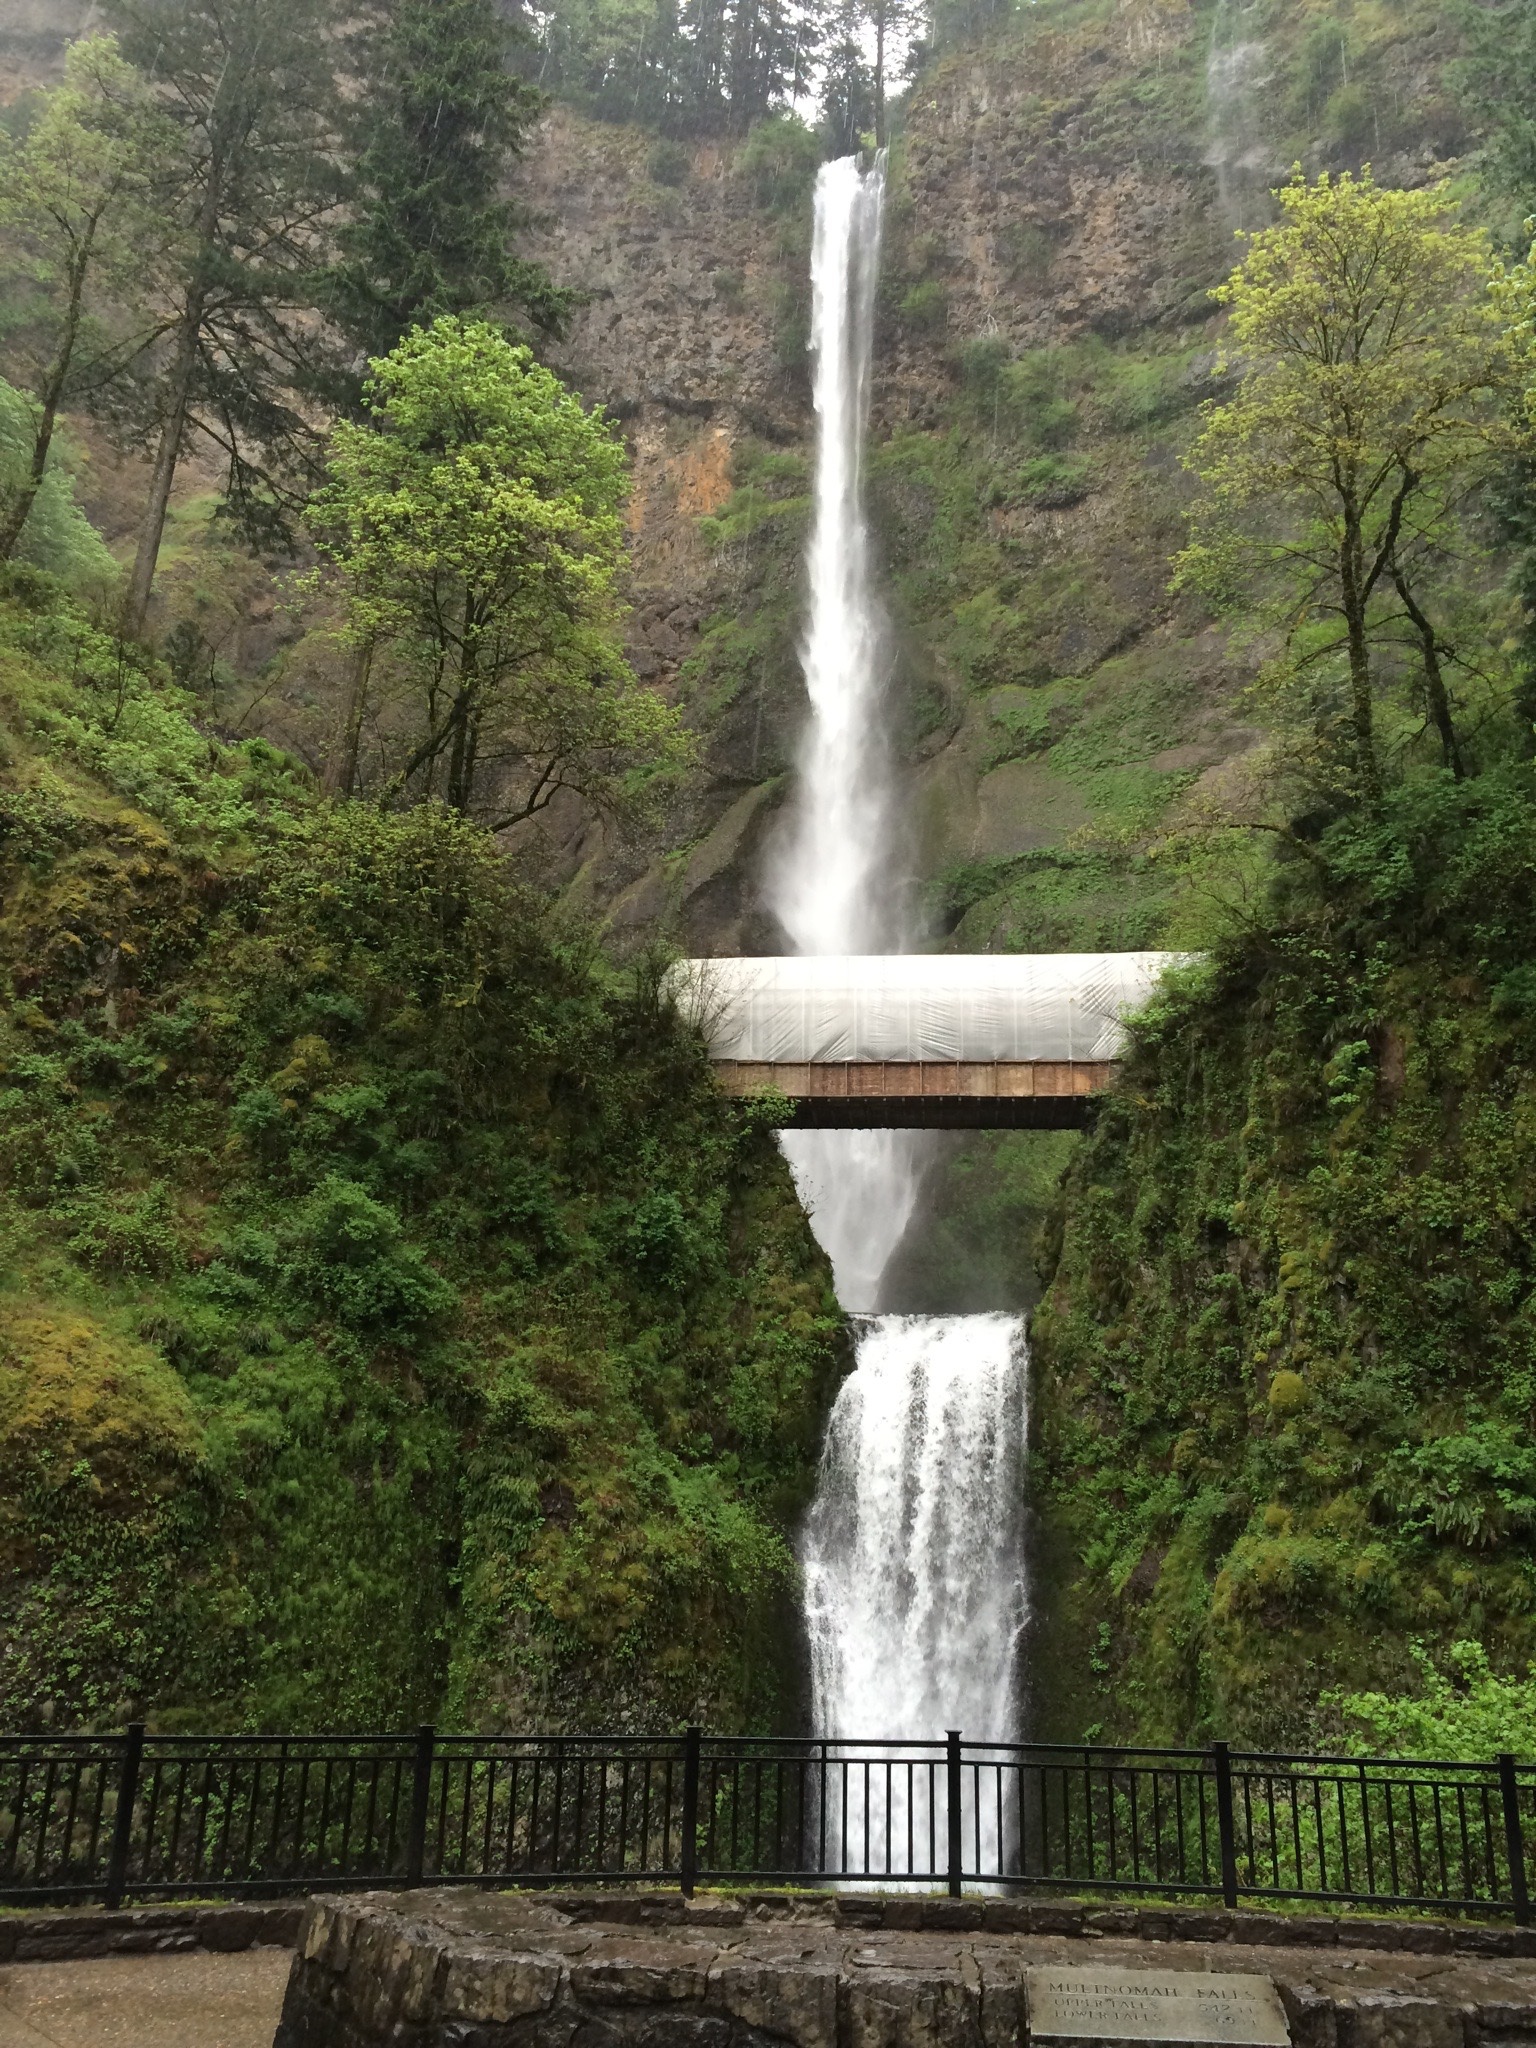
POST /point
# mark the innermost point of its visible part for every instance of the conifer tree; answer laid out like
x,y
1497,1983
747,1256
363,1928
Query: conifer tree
x,y
249,85
440,118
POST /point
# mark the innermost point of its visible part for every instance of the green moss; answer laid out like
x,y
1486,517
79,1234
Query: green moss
x,y
400,1322
1288,1357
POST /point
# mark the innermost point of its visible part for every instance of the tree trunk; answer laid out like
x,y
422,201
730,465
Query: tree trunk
x,y
341,775
136,606
1362,707
188,335
53,395
1434,679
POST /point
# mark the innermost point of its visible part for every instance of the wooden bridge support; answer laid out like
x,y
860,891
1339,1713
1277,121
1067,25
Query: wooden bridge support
x,y
1038,1095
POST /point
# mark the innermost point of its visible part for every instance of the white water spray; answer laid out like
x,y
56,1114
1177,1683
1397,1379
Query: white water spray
x,y
913,1551
1236,74
832,884
914,1558
831,887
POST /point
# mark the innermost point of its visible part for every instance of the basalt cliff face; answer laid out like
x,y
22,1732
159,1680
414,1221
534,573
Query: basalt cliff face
x,y
1063,195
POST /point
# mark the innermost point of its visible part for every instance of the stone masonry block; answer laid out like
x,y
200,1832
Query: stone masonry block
x,y
884,2009
491,1985
1389,2019
797,2003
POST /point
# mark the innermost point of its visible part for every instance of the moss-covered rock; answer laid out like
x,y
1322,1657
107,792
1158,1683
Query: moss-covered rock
x,y
1287,1359
394,1318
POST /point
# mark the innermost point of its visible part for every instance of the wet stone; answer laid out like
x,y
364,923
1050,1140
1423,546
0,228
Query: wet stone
x,y
462,1968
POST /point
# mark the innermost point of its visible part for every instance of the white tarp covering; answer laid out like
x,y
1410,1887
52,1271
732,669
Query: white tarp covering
x,y
919,1006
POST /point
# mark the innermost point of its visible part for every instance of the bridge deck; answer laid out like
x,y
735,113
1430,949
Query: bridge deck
x,y
926,1094
939,1040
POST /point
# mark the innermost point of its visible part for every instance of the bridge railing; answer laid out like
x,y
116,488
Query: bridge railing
x,y
139,1815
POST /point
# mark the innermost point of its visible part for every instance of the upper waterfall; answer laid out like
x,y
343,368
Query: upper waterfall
x,y
830,885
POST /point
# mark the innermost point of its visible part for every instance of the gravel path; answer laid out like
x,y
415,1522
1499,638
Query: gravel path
x,y
164,2001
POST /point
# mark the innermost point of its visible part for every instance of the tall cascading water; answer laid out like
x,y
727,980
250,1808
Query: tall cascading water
x,y
1235,77
832,885
913,1551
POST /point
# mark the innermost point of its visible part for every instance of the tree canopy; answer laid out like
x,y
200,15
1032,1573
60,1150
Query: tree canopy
x,y
1377,376
249,87
439,118
474,526
78,219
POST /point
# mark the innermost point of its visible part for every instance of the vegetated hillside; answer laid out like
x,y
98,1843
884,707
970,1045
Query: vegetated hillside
x,y
394,1320
1063,193
1286,1365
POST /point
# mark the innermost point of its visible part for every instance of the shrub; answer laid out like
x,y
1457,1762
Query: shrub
x,y
925,308
668,164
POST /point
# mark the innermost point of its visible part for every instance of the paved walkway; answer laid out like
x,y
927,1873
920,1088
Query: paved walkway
x,y
189,2001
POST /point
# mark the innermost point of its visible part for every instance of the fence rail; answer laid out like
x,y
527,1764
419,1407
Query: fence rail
x,y
151,1816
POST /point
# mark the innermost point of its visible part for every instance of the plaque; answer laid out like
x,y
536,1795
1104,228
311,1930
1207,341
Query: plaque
x,y
1087,2004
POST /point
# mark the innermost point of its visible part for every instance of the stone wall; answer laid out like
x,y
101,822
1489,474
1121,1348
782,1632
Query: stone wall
x,y
479,1970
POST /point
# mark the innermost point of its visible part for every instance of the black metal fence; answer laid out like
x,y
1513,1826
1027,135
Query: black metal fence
x,y
145,1816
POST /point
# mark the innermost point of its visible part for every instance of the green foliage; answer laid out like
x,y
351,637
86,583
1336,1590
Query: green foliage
x,y
924,307
705,67
248,93
1287,1352
475,530
668,163
779,161
1462,1709
438,121
79,227
394,1319
1379,360
56,535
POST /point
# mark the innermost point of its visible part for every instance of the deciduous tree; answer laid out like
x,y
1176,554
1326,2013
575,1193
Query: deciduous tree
x,y
77,226
1377,370
474,524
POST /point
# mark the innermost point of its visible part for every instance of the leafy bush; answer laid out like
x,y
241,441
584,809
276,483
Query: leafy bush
x,y
779,160
668,163
924,307
57,537
1462,1709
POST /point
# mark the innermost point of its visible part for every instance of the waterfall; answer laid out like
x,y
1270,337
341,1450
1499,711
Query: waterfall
x,y
832,882
1235,77
912,1553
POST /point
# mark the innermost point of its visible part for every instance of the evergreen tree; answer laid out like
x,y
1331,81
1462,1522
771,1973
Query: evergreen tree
x,y
440,117
848,104
249,85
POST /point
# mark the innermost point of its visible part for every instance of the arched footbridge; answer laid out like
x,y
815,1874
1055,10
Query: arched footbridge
x,y
1020,1041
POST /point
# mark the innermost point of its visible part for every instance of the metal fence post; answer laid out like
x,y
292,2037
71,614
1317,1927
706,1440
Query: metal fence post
x,y
952,1776
689,1862
122,1820
1514,1839
421,1803
1226,1827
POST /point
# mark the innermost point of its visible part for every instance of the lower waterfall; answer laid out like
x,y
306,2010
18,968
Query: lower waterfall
x,y
913,1551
